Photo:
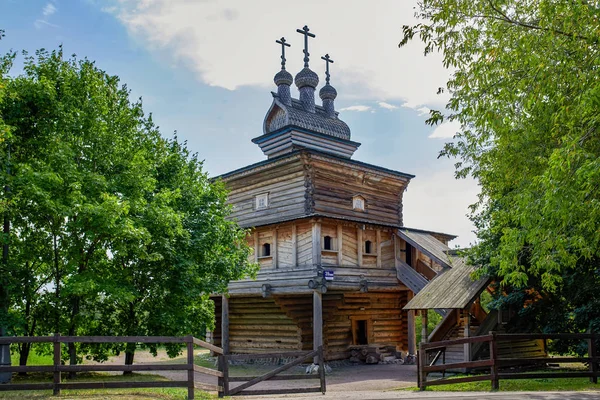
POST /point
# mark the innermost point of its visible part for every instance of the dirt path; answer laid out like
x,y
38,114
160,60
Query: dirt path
x,y
343,378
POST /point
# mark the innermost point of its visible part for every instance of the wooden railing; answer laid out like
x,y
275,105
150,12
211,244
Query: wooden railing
x,y
272,375
57,368
494,364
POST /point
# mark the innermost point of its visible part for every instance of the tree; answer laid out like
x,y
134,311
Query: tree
x,y
526,91
115,229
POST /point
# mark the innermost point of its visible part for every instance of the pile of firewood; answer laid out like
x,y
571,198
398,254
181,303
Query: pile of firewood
x,y
373,354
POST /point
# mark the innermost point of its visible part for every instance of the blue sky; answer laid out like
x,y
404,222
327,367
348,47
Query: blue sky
x,y
205,68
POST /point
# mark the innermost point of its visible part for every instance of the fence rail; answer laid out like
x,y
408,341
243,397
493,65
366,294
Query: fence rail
x,y
272,375
57,368
494,363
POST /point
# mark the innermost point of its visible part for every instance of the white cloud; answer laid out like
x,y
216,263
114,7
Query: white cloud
x,y
445,130
423,111
437,201
48,10
358,108
40,23
387,106
232,43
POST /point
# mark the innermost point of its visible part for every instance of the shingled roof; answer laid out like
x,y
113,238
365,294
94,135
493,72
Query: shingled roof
x,y
454,288
281,115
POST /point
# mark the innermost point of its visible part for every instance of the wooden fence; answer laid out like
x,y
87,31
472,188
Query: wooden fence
x,y
494,364
301,356
57,368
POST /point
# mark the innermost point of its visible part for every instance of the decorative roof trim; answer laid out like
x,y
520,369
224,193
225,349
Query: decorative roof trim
x,y
288,128
319,155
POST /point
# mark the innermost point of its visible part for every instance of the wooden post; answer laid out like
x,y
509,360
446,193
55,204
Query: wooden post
x,y
57,354
256,247
317,323
340,242
467,346
494,357
592,353
294,246
412,344
221,361
190,362
378,246
274,250
424,326
421,362
359,245
225,324
322,369
316,243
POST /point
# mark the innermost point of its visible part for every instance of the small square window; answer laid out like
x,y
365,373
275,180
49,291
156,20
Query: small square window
x,y
262,201
358,203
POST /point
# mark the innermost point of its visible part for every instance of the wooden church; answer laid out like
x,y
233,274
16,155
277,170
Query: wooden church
x,y
337,264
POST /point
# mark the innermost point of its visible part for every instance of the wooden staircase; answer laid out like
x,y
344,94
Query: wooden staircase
x,y
414,280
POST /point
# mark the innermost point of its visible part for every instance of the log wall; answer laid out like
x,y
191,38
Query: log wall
x,y
258,325
335,185
285,185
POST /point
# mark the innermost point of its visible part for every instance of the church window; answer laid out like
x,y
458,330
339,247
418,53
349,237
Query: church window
x,y
368,247
262,201
266,250
327,243
358,203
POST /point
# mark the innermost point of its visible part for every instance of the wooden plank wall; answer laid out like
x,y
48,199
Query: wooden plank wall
x,y
285,185
292,245
335,185
387,321
258,325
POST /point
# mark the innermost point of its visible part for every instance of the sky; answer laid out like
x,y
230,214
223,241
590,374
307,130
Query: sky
x,y
204,68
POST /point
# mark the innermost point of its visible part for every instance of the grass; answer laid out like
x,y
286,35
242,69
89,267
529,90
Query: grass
x,y
93,394
33,359
518,385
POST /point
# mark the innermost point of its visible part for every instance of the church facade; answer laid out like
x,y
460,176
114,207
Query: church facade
x,y
337,264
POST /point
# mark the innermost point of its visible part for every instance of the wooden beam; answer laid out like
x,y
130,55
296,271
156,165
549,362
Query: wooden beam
x,y
274,250
359,245
378,236
256,246
410,321
467,333
423,326
225,324
294,246
316,243
317,323
340,242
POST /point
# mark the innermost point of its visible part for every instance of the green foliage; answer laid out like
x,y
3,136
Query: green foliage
x,y
115,229
526,92
433,319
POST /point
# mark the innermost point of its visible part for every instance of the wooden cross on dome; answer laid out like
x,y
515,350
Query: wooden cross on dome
x,y
283,44
327,61
304,31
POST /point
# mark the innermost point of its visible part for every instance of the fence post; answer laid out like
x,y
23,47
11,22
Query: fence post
x,y
421,363
494,357
57,354
322,369
190,361
592,354
223,366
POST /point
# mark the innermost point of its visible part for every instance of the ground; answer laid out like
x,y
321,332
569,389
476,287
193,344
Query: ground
x,y
352,382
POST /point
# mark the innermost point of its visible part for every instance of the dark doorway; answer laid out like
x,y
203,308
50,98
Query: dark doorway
x,y
361,332
408,253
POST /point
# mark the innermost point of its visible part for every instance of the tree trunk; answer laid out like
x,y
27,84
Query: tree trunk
x,y
130,349
72,332
23,356
129,354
